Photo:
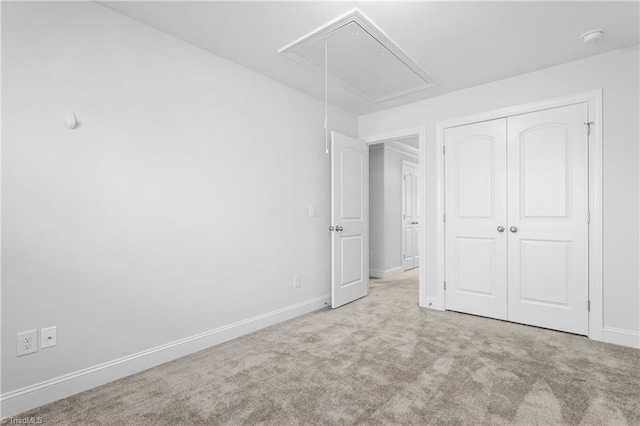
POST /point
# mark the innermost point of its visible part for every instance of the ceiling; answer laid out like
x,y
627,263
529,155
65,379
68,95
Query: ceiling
x,y
461,44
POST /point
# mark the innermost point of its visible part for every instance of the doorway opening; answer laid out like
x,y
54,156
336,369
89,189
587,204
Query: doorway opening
x,y
396,206
394,210
351,209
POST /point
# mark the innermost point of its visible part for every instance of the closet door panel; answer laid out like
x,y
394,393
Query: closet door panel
x,y
547,219
475,210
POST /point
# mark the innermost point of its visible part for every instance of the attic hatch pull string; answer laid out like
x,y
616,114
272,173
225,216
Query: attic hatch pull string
x,y
326,100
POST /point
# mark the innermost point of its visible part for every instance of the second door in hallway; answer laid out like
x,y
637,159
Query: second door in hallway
x,y
410,215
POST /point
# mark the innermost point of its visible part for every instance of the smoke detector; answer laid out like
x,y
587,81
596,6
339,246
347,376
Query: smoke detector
x,y
592,36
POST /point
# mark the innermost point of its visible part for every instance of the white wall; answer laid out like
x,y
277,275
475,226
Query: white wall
x,y
617,73
179,205
376,211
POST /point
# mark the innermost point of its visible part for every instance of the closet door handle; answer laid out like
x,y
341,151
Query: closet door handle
x,y
339,228
513,229
500,228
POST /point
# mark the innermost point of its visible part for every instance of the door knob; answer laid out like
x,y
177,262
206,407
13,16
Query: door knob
x,y
414,223
331,228
339,228
500,228
513,229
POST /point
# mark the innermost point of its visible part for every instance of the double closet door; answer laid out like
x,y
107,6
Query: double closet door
x,y
516,219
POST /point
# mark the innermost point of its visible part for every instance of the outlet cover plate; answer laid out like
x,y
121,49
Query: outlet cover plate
x,y
48,337
27,342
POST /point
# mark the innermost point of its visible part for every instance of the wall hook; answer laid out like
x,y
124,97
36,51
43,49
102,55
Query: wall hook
x,y
71,122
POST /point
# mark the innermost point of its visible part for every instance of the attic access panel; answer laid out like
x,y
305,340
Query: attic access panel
x,y
361,58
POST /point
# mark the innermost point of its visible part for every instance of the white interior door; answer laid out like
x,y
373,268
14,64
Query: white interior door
x,y
349,219
475,219
410,216
548,219
418,215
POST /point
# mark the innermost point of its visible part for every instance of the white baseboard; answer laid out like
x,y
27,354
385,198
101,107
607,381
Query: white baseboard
x,y
384,273
18,401
621,337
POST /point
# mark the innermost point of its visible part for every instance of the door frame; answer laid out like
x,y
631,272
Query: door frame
x,y
593,99
420,132
404,203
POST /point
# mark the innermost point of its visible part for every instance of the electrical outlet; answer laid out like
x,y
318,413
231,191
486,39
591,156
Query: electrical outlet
x,y
48,337
296,281
27,342
312,210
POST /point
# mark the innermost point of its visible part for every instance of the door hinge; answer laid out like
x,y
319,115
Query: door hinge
x,y
445,286
443,150
588,305
588,124
588,217
444,217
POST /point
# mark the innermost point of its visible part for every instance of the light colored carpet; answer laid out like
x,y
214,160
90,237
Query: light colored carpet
x,y
379,360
